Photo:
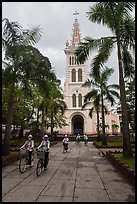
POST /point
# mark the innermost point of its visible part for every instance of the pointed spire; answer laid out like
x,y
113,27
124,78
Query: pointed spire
x,y
76,32
67,43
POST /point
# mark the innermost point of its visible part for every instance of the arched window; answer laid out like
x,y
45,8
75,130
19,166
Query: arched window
x,y
74,100
73,75
79,75
70,60
79,100
75,60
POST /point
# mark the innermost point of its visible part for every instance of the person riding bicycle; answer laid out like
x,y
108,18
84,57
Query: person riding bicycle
x,y
78,138
85,139
44,146
65,142
29,146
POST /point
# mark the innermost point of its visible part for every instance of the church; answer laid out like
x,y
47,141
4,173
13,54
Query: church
x,y
78,119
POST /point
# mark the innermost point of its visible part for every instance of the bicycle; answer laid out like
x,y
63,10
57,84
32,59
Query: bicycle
x,y
86,142
77,140
40,164
65,148
24,160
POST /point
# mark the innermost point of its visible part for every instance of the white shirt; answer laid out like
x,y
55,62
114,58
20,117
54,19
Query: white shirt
x,y
85,137
44,146
78,136
65,140
29,145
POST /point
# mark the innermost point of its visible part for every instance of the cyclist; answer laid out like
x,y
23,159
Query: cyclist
x,y
44,146
78,138
29,146
65,142
85,139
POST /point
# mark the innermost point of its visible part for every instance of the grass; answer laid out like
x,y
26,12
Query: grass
x,y
110,143
113,143
10,155
19,143
128,161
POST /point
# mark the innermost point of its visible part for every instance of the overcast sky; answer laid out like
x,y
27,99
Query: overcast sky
x,y
56,20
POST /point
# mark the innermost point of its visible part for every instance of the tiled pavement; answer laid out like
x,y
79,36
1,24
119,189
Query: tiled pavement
x,y
81,175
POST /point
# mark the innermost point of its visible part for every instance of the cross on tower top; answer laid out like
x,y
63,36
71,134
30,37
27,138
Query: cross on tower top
x,y
75,13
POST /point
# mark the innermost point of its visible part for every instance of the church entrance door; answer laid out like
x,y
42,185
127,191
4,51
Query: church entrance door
x,y
77,124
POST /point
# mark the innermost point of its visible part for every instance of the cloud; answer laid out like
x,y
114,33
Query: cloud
x,y
56,20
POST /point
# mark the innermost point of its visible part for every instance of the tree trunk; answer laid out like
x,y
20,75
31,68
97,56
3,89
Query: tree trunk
x,y
98,133
127,150
9,122
104,139
38,115
52,126
21,133
42,124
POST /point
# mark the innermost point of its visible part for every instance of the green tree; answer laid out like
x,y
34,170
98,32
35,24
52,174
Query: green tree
x,y
116,16
100,92
13,36
56,107
23,110
130,92
95,106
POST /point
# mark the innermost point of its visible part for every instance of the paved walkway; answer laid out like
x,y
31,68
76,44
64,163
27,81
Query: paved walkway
x,y
81,175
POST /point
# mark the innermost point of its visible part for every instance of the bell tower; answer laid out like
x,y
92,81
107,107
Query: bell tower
x,y
78,119
76,75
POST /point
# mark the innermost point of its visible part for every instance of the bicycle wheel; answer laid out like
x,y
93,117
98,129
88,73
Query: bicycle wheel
x,y
32,159
22,165
63,149
39,167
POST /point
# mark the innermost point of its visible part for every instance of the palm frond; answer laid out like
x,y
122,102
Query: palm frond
x,y
127,32
127,8
128,64
103,54
105,109
113,86
83,51
106,73
114,93
91,112
32,35
90,94
85,104
87,83
99,13
110,98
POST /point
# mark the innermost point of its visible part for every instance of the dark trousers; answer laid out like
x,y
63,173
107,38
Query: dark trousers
x,y
30,155
65,146
46,159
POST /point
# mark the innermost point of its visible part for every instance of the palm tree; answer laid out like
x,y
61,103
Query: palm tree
x,y
96,107
56,105
13,37
101,92
116,16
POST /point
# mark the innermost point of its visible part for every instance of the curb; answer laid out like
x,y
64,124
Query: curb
x,y
123,168
10,160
